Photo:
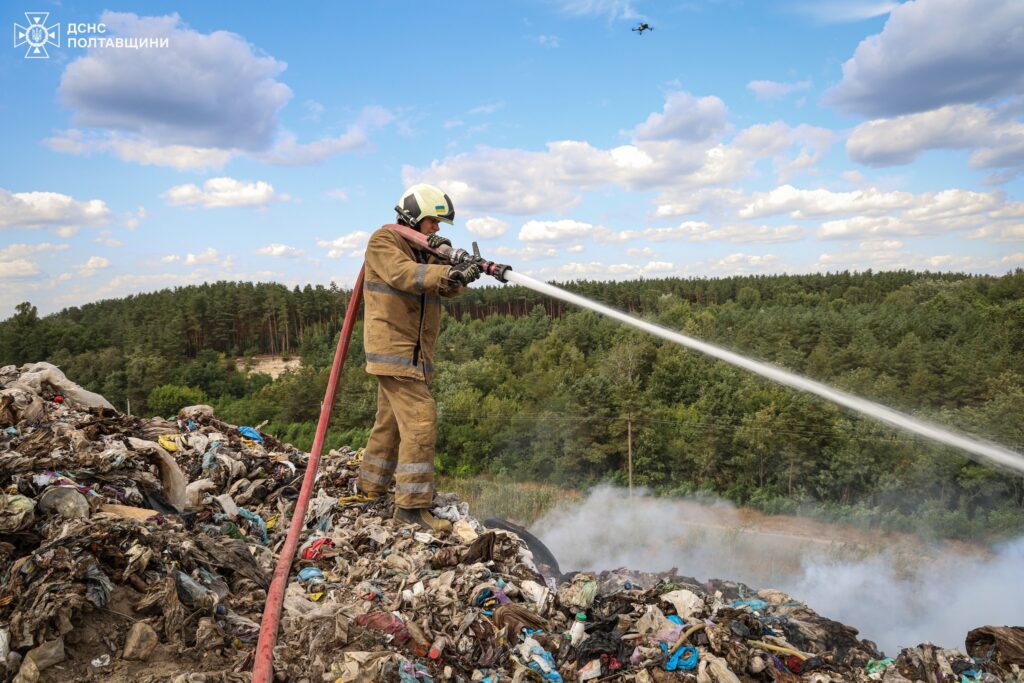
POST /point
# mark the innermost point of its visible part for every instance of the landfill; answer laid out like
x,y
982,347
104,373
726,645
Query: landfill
x,y
139,549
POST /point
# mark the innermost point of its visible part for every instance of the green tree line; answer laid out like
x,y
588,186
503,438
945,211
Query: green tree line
x,y
529,388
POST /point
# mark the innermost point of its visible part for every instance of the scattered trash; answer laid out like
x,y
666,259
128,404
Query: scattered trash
x,y
119,534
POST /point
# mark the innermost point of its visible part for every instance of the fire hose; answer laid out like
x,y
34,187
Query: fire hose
x,y
263,666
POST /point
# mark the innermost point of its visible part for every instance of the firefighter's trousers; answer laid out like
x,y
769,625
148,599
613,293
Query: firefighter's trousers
x,y
402,443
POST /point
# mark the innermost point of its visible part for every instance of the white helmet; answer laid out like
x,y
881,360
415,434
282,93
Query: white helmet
x,y
424,201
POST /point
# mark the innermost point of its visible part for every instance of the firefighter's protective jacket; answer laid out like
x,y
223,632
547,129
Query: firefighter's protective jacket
x,y
402,287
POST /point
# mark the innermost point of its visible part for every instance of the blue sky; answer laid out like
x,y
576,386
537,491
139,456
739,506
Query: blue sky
x,y
264,143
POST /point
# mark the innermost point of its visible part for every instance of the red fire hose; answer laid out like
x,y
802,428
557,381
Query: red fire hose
x,y
263,668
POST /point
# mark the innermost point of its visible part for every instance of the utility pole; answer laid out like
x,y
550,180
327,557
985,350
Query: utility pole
x,y
128,401
629,442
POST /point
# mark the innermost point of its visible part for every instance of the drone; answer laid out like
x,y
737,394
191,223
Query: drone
x,y
643,27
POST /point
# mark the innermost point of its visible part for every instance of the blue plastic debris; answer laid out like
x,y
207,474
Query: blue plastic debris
x,y
250,433
310,574
683,659
258,521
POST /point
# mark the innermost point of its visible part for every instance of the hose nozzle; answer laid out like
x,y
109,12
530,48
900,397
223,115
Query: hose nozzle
x,y
495,270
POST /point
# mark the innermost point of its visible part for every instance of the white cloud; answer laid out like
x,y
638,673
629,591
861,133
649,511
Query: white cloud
x,y
279,250
140,150
771,90
339,194
837,11
488,108
862,226
997,141
50,210
487,227
131,283
684,117
853,177
314,109
204,90
881,245
133,220
929,213
196,104
733,264
1012,232
287,151
812,144
15,251
109,241
863,212
685,230
354,243
554,231
612,9
521,182
220,193
742,264
548,41
746,233
692,231
16,268
927,57
92,266
1009,210
528,253
593,269
640,252
208,256
711,199
800,203
952,204
891,255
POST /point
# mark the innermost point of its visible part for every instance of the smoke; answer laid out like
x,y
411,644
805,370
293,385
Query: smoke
x,y
897,595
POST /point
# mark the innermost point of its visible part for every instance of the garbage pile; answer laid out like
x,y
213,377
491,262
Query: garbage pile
x,y
141,549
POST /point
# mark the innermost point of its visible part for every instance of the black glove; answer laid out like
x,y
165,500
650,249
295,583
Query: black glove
x,y
464,273
435,241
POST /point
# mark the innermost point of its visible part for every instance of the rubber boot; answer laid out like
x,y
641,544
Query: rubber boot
x,y
422,516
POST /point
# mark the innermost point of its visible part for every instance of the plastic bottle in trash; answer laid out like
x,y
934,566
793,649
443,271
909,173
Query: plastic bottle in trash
x,y
579,628
437,647
193,593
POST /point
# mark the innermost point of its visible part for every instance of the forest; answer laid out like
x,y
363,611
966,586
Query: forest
x,y
531,389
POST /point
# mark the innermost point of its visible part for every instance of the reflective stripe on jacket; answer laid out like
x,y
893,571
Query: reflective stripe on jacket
x,y
402,317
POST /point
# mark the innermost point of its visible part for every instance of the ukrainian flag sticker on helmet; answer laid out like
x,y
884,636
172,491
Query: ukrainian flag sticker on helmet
x,y
439,207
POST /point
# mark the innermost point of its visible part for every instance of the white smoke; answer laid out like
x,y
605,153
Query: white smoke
x,y
896,596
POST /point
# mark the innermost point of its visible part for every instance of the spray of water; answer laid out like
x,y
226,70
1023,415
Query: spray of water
x,y
991,453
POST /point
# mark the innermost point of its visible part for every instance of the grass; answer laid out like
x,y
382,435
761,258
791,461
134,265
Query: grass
x,y
520,502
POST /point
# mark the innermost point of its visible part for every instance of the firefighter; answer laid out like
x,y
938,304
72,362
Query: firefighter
x,y
402,290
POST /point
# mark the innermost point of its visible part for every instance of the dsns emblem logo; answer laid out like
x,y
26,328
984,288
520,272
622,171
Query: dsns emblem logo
x,y
37,35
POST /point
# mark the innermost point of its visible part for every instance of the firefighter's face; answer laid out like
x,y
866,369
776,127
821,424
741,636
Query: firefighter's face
x,y
429,225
